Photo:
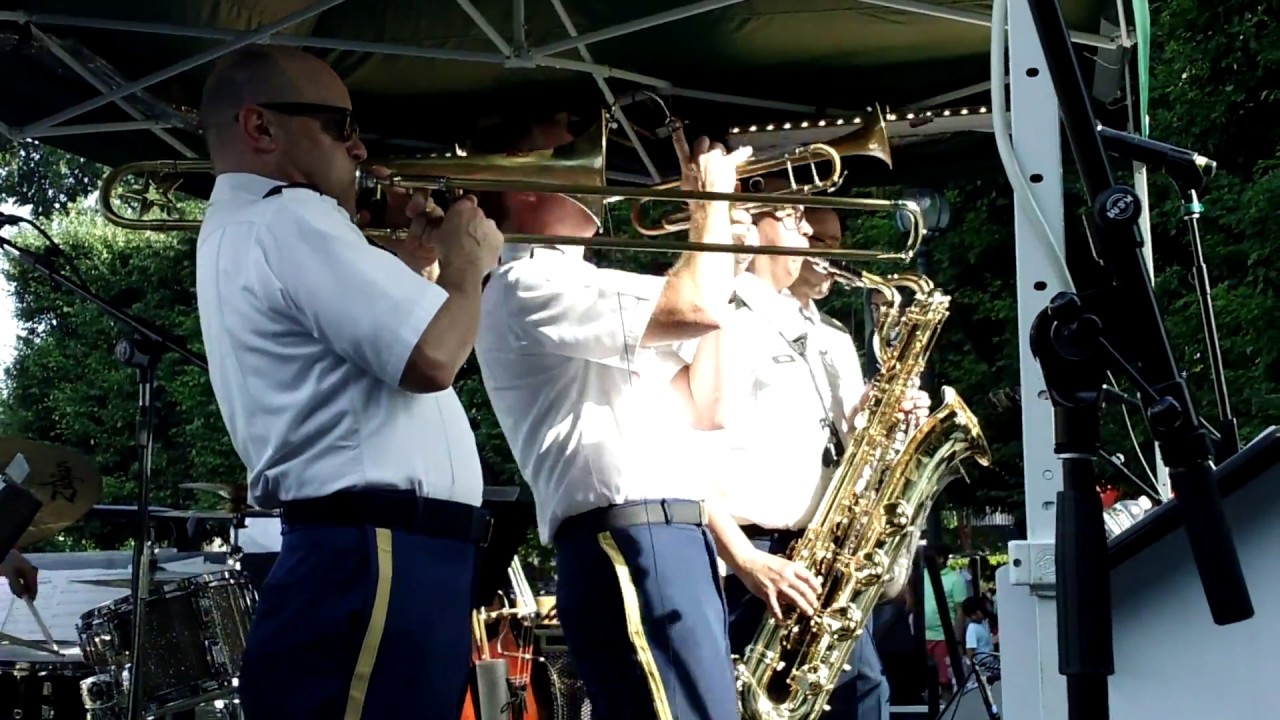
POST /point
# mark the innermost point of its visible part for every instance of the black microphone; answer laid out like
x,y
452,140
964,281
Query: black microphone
x,y
18,506
1186,167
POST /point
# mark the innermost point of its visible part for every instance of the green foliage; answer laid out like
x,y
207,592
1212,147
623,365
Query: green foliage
x,y
65,386
43,178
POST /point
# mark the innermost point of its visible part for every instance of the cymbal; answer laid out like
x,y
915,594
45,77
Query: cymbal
x,y
64,480
126,582
218,514
219,489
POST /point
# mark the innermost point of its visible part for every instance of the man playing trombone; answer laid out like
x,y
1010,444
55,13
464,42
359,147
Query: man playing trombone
x,y
332,363
578,364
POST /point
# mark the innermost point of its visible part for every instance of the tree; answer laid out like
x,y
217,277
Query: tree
x,y
44,178
65,386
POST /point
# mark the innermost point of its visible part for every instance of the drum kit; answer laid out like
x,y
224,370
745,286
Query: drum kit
x,y
195,628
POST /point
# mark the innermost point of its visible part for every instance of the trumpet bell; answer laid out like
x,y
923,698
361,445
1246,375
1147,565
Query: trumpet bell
x,y
799,165
871,140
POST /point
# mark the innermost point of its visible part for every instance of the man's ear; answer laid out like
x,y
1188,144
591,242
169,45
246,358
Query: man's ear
x,y
257,126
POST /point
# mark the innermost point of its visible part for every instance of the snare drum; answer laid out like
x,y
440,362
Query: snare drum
x,y
195,635
39,685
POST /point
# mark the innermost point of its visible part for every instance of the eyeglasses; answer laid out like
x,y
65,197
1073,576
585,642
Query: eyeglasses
x,y
336,121
791,218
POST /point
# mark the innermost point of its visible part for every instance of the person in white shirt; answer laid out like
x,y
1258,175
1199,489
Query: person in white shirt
x,y
977,633
332,362
595,404
794,393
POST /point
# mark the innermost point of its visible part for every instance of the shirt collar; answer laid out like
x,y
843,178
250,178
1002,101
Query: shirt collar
x,y
810,311
760,295
512,252
241,186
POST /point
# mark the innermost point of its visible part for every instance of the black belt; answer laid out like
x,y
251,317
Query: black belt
x,y
646,512
394,510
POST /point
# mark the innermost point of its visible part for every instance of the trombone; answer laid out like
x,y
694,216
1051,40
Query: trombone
x,y
575,169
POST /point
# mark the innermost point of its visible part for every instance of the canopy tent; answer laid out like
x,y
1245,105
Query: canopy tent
x,y
118,82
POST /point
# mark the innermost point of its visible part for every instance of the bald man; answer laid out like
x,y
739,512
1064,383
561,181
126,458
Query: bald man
x,y
332,363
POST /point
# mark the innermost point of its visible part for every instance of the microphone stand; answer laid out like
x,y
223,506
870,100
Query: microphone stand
x,y
141,348
1189,171
1074,339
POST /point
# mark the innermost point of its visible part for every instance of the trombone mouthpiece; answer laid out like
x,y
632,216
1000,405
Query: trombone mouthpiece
x,y
365,180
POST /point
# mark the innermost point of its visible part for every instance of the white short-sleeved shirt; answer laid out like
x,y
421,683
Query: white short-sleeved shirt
x,y
308,329
831,347
767,461
589,414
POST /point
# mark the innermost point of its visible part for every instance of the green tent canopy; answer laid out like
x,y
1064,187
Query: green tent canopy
x,y
118,82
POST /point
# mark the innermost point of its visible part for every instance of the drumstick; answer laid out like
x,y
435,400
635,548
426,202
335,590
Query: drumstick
x,y
44,629
6,638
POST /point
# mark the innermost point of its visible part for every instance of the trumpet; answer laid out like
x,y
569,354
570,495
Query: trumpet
x,y
575,169
871,140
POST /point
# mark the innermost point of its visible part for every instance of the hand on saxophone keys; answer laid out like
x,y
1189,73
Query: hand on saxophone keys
x,y
915,407
776,580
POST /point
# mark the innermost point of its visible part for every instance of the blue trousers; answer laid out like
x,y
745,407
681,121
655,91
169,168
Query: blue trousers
x,y
643,614
361,622
861,693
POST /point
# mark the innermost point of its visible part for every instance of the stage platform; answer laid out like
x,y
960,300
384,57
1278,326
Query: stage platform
x,y
1172,662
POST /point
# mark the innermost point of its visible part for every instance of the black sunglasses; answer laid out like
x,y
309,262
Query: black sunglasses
x,y
337,121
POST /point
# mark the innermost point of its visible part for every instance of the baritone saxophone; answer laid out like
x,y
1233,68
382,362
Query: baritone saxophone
x,y
888,479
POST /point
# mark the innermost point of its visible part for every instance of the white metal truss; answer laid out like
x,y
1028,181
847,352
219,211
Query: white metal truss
x,y
59,52
1032,687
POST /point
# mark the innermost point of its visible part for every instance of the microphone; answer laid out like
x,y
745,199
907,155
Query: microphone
x,y
1185,167
18,506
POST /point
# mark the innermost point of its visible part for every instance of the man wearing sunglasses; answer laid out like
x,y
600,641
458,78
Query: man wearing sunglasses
x,y
332,363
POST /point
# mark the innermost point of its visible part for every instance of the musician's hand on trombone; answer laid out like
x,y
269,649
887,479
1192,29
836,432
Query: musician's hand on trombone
x,y
468,243
420,217
707,166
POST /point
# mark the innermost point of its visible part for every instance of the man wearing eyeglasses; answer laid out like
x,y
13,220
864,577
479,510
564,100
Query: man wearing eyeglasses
x,y
332,363
577,361
792,399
